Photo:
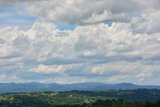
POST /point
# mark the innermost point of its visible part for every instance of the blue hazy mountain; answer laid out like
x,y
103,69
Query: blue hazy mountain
x,y
88,86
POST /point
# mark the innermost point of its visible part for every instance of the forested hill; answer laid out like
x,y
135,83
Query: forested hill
x,y
38,87
110,98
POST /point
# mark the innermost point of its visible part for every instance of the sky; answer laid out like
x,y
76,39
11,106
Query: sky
x,y
75,41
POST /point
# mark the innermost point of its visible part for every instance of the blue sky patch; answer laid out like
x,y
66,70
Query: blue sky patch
x,y
63,27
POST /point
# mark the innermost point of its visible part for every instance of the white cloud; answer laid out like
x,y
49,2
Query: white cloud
x,y
144,74
6,50
113,79
86,51
9,33
49,69
5,78
2,77
84,11
148,24
94,52
122,67
106,15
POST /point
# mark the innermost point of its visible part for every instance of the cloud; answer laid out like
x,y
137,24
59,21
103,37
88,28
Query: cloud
x,y
2,41
49,69
98,18
143,75
54,68
148,24
2,77
93,51
86,52
84,11
8,3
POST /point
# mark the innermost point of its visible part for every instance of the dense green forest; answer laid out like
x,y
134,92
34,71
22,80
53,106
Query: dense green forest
x,y
109,98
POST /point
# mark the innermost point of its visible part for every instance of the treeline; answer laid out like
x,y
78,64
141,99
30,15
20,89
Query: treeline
x,y
152,95
115,103
98,103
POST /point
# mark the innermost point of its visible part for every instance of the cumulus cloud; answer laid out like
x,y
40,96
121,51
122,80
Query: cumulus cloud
x,y
96,52
49,69
98,18
54,68
148,24
86,52
84,11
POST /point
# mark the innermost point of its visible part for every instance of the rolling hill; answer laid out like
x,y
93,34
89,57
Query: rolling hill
x,y
39,87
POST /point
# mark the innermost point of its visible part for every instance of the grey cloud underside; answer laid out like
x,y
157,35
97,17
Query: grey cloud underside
x,y
84,12
81,12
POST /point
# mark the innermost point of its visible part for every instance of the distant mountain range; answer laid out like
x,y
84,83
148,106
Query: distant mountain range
x,y
89,86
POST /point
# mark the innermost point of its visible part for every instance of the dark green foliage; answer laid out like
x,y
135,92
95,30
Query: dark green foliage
x,y
114,103
109,98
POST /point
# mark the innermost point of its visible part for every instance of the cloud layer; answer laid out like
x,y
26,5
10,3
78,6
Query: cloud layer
x,y
126,51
